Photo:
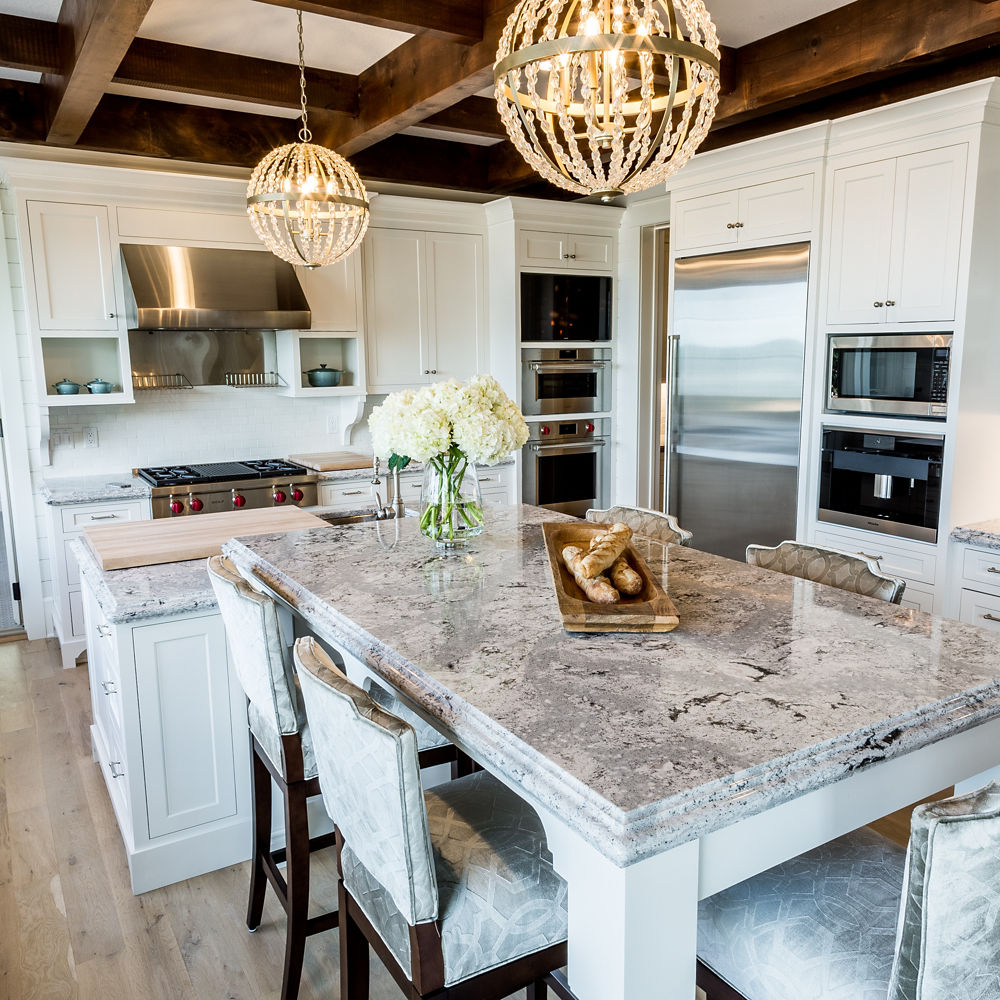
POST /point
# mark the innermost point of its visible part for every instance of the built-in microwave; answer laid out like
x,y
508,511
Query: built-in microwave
x,y
565,380
565,307
889,483
891,374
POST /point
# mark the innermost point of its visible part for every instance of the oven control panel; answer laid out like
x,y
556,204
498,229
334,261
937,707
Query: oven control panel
x,y
569,431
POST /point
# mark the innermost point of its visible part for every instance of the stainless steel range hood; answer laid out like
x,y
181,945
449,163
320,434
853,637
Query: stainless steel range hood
x,y
197,288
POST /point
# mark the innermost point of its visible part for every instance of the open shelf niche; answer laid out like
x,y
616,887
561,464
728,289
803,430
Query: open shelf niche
x,y
81,359
301,350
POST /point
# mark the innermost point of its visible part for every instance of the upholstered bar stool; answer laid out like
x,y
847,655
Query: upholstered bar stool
x,y
843,570
281,749
648,523
453,887
859,919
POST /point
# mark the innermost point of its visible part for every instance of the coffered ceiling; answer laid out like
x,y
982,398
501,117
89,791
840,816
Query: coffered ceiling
x,y
402,88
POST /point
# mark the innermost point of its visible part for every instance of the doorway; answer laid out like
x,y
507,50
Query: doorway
x,y
10,604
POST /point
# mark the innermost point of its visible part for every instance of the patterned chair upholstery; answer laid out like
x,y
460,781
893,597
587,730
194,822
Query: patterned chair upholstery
x,y
843,570
859,919
428,738
467,858
648,523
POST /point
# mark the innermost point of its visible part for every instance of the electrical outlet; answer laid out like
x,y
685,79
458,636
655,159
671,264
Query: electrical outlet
x,y
332,423
90,437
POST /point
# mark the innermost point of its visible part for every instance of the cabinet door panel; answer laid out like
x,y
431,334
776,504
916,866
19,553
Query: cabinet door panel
x,y
541,249
980,609
182,678
72,266
705,222
591,253
455,304
398,348
926,235
859,242
780,208
334,294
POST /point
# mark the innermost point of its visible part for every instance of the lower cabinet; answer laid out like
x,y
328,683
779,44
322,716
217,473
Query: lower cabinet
x,y
977,578
170,735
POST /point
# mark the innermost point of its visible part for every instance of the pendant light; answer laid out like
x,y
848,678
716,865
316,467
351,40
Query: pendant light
x,y
306,203
607,97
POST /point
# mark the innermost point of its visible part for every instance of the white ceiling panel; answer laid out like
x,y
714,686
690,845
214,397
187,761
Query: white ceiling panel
x,y
248,28
741,21
444,134
41,10
175,97
19,74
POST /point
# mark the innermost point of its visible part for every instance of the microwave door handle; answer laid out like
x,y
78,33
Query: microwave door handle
x,y
567,366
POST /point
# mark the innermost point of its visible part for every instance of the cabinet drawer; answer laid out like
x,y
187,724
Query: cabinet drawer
x,y
917,598
910,564
981,566
980,609
347,496
78,518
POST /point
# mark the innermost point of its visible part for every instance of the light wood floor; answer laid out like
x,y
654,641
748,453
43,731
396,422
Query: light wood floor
x,y
70,928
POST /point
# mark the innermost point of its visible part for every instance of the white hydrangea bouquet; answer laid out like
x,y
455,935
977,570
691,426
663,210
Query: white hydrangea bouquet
x,y
451,427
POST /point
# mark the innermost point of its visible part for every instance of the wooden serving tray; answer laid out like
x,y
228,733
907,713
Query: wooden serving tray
x,y
651,610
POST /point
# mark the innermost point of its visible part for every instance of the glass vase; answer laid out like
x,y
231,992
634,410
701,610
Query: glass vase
x,y
451,507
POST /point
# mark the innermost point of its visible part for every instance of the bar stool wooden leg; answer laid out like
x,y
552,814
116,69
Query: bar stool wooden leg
x,y
297,879
353,954
537,990
261,793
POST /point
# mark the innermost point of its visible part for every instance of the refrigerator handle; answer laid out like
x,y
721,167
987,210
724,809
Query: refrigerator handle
x,y
673,343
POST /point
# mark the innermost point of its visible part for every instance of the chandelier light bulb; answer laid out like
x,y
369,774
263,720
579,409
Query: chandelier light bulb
x,y
607,97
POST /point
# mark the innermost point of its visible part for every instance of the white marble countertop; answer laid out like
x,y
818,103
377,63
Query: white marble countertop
x,y
769,687
985,534
94,489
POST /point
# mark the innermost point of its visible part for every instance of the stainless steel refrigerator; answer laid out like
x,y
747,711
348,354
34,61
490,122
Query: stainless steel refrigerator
x,y
733,396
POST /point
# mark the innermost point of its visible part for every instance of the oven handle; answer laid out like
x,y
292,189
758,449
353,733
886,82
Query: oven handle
x,y
567,366
535,446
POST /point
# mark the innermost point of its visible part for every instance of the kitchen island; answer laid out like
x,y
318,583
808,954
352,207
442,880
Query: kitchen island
x,y
665,767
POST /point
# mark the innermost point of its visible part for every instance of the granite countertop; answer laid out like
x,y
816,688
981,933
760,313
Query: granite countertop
x,y
985,534
94,489
770,686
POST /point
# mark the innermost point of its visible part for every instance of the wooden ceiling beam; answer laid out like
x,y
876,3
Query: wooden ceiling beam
x,y
473,116
186,70
414,159
451,20
29,44
94,37
420,78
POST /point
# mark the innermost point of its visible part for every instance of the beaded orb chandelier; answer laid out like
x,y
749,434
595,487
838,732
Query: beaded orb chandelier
x,y
306,203
607,97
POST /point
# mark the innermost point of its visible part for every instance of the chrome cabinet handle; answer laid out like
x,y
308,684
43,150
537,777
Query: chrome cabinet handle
x,y
104,631
991,618
104,517
109,687
354,493
878,305
112,765
486,479
868,555
569,256
993,569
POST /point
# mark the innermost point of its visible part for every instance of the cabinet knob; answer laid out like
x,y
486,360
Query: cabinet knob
x,y
878,305
572,256
890,302
739,225
434,371
427,371
730,225
565,256
111,315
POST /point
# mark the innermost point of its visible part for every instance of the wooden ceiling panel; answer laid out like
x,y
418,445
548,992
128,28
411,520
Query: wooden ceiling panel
x,y
29,44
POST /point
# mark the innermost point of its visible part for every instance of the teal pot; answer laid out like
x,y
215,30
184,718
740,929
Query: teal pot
x,y
66,387
323,377
98,385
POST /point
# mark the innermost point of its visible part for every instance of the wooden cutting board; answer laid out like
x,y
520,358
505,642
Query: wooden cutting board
x,y
333,461
176,539
651,610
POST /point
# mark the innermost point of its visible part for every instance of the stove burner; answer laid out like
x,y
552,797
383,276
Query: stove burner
x,y
216,472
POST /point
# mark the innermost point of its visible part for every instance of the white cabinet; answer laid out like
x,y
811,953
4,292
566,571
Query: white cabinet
x,y
425,295
354,494
72,265
976,579
980,609
565,251
896,229
66,522
496,484
334,294
170,736
781,208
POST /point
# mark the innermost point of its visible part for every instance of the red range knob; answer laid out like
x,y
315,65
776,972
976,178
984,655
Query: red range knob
x,y
279,496
546,431
297,495
195,504
590,428
239,501
176,507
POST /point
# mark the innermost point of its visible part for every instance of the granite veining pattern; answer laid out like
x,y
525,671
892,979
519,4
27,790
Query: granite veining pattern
x,y
985,534
769,687
350,475
128,596
94,489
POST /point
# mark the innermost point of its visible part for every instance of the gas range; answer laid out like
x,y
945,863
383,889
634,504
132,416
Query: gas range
x,y
182,490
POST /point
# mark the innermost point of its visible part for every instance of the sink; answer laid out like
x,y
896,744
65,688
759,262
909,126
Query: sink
x,y
348,518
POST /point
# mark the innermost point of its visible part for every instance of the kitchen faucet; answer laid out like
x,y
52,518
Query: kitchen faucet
x,y
385,511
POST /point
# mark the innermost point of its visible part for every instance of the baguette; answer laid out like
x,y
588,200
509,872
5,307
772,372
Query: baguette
x,y
605,549
598,589
624,578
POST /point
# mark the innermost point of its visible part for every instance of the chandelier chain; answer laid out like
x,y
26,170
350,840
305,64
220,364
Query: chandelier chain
x,y
304,133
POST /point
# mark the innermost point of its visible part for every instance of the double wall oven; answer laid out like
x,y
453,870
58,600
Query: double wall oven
x,y
566,464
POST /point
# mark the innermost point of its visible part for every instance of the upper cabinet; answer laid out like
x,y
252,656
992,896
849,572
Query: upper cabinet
x,y
73,268
895,239
777,209
565,251
334,294
425,301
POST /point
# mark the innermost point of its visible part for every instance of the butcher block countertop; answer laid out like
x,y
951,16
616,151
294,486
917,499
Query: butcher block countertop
x,y
177,539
